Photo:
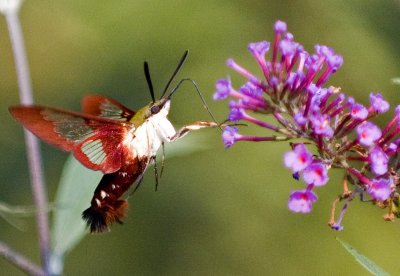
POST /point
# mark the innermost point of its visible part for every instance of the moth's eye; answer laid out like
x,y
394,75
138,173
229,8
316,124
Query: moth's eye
x,y
155,109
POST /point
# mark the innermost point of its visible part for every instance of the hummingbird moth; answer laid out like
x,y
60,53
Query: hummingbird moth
x,y
111,138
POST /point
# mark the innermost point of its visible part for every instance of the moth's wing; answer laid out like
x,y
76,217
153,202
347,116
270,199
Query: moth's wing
x,y
96,142
56,127
103,150
106,108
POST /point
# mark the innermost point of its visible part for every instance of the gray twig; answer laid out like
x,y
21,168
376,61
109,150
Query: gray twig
x,y
10,9
19,260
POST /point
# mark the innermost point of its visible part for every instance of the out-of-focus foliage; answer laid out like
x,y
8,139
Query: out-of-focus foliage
x,y
369,265
216,211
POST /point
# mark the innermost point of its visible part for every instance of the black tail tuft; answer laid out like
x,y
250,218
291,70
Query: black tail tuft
x,y
99,219
95,219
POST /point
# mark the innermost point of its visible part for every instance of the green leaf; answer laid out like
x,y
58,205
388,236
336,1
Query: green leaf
x,y
74,193
369,265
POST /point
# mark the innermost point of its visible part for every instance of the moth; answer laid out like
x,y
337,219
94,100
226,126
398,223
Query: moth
x,y
111,138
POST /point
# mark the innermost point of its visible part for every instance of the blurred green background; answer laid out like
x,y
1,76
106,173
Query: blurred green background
x,y
217,211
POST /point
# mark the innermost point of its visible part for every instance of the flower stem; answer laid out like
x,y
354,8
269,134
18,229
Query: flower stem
x,y
32,145
19,260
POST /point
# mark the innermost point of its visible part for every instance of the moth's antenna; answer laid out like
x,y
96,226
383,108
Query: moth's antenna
x,y
181,62
198,92
148,79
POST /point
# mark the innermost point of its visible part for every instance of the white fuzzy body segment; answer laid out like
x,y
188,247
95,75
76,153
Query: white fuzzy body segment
x,y
148,137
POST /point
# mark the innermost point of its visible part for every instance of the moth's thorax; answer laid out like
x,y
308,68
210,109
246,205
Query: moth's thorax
x,y
146,139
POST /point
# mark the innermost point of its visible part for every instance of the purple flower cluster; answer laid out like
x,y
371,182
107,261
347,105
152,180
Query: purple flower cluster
x,y
340,129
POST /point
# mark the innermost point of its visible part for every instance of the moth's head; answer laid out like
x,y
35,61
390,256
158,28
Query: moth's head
x,y
159,107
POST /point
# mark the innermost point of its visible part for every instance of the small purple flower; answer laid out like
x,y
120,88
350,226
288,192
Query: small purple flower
x,y
397,112
288,47
313,90
235,104
323,51
249,89
337,227
223,87
350,100
298,159
378,104
289,36
335,61
236,114
358,111
368,133
393,146
316,174
229,136
274,81
321,125
280,26
379,161
259,49
380,189
300,119
301,201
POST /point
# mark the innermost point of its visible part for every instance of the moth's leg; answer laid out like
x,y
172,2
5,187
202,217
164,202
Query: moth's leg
x,y
194,126
157,175
138,183
162,159
154,159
